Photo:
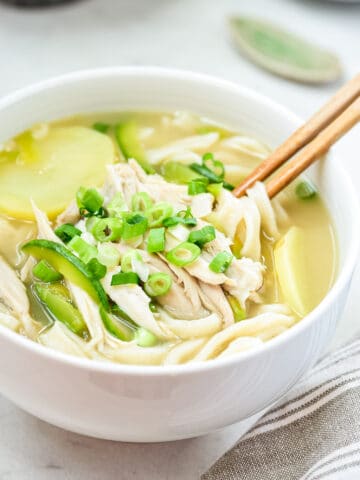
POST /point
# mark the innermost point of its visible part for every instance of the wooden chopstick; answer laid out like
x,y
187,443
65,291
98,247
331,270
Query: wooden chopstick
x,y
336,105
315,149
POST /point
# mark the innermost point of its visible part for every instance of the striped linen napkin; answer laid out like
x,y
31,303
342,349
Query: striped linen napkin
x,y
313,433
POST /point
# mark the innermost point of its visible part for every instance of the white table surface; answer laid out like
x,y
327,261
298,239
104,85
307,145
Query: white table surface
x,y
187,34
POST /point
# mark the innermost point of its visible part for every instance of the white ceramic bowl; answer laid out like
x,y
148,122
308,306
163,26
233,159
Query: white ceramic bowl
x,y
134,403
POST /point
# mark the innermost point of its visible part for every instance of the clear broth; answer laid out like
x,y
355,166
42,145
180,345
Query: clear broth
x,y
320,251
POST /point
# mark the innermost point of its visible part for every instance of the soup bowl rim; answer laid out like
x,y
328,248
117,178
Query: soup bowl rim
x,y
342,277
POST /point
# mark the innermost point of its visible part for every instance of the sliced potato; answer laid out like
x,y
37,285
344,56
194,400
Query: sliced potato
x,y
51,169
290,265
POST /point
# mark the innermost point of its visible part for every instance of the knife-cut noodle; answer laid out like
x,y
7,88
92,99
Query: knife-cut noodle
x,y
121,241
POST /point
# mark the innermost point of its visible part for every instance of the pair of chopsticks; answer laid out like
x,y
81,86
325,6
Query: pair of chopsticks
x,y
314,139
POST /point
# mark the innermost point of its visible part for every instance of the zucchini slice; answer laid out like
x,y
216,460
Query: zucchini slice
x,y
49,170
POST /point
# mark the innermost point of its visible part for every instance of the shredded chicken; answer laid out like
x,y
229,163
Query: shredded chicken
x,y
248,276
202,205
70,215
182,301
43,225
134,302
91,316
13,296
214,299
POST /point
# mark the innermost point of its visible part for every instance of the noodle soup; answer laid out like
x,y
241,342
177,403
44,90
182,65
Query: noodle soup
x,y
122,241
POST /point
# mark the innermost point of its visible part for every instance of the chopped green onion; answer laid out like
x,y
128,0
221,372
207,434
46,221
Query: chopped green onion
x,y
158,213
153,307
101,127
118,327
183,254
156,240
187,217
210,175
202,236
145,338
90,223
108,255
134,225
125,278
101,213
221,262
107,229
158,284
238,311
171,221
128,259
117,205
177,172
215,174
96,269
46,273
198,185
89,200
215,189
141,202
84,250
66,232
205,172
184,216
305,190
227,185
214,165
